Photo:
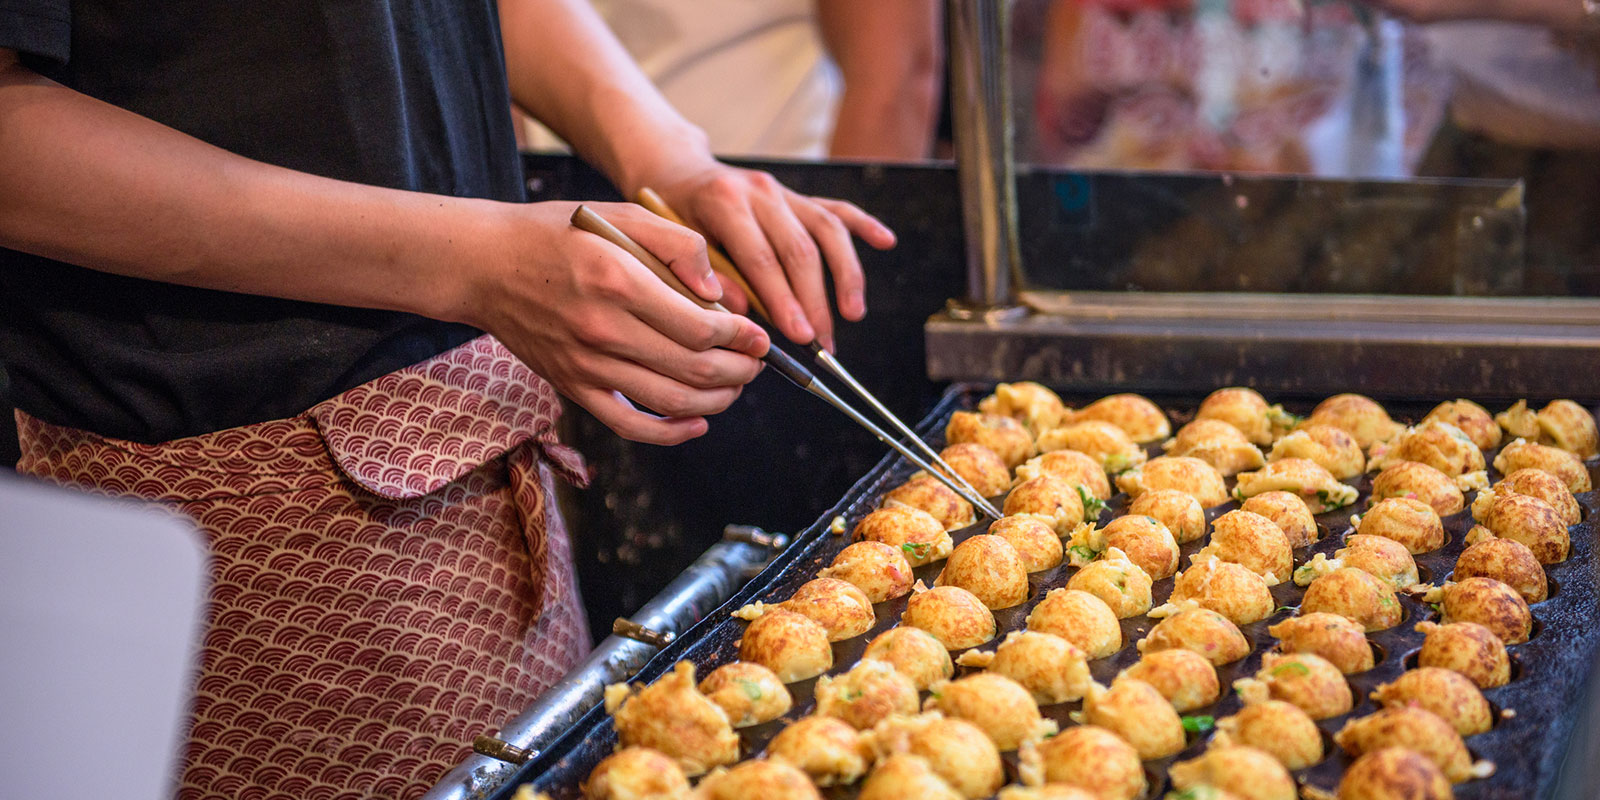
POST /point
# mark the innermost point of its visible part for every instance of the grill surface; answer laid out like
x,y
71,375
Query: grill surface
x,y
1549,672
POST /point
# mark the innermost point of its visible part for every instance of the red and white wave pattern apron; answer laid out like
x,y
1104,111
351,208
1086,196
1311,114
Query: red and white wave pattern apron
x,y
389,574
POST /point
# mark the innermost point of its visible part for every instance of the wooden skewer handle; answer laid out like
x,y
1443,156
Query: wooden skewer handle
x,y
586,220
720,262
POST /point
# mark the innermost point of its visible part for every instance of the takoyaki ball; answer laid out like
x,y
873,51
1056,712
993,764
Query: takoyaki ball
x,y
672,717
1381,557
1331,447
1229,589
1489,603
1439,445
1507,561
1468,648
838,606
1244,772
959,751
1146,542
1033,537
979,466
1252,541
750,693
1338,640
1519,421
1093,758
1560,463
636,773
1049,497
1141,419
1358,415
920,537
1029,403
989,567
1450,695
1533,483
1394,773
1570,427
871,691
1276,727
1005,436
1199,629
825,748
903,775
1304,679
1244,409
1217,443
1356,595
791,645
1102,441
1080,618
1528,520
1003,708
1289,513
1191,476
1051,668
1471,418
1413,728
1184,677
1418,481
1412,523
877,569
763,778
1181,513
1115,579
955,616
913,652
1049,791
1308,479
1071,466
1138,713
940,501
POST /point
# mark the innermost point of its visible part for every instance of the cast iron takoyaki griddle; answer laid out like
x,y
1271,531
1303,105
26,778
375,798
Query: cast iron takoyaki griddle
x,y
1549,672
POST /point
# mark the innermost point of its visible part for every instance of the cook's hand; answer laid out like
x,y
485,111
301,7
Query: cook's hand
x,y
605,330
780,239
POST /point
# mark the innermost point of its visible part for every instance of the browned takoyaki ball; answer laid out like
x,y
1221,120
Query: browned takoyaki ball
x,y
963,755
1138,713
1304,679
825,748
1489,603
879,570
870,692
1184,677
672,717
1412,523
1381,557
1181,513
1331,447
1217,443
1468,648
1276,727
1080,618
1115,579
1533,483
914,652
1252,541
636,772
791,645
1473,420
940,501
1033,537
1244,772
1191,476
1394,773
1413,728
1418,481
1199,629
1304,477
989,567
1339,640
1528,520
764,778
955,616
903,775
1358,415
838,606
1049,791
750,693
1560,463
915,532
1146,542
1003,708
1007,437
1029,403
1102,441
1093,758
1229,589
1355,594
1051,668
1071,466
1508,561
1570,427
1141,419
1438,444
1050,497
979,466
1242,408
1289,513
1449,694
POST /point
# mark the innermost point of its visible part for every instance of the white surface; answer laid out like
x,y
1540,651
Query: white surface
x,y
99,622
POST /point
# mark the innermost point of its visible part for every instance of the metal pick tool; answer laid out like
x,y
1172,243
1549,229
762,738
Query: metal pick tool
x,y
585,219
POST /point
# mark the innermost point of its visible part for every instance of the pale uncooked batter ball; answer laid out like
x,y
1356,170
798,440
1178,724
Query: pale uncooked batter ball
x,y
1418,481
1199,629
1007,437
879,570
1439,445
979,466
959,751
750,693
1570,427
1331,447
1533,483
1289,513
1394,773
763,778
1049,791
1051,668
1138,713
999,705
1253,541
1184,677
1528,520
633,773
1244,772
1146,542
1468,648
1412,523
1050,497
1381,557
954,616
1141,419
1358,415
903,775
1096,759
791,645
1275,727
1181,513
1033,537
1080,618
1471,418
1414,729
1242,408
920,537
1449,694
1308,479
1115,579
1191,476
826,748
1217,443
838,606
1102,441
989,567
1304,679
1339,640
1560,463
1356,595
1489,603
1078,469
672,717
870,692
1227,588
1507,561
1029,403
940,501
914,652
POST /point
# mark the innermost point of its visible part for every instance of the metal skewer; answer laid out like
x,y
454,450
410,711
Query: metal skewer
x,y
653,202
585,219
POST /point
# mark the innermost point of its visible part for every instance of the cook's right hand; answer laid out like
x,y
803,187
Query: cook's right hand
x,y
605,330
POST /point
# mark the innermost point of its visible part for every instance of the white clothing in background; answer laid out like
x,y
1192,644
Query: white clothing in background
x,y
1515,85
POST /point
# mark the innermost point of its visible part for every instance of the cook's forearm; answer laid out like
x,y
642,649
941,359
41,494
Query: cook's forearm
x,y
891,57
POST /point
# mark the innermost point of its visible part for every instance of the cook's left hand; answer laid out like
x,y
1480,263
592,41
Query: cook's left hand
x,y
783,242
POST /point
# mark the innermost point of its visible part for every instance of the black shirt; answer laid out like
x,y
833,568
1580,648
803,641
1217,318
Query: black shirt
x,y
407,94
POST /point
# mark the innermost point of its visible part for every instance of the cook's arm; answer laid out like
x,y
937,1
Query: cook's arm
x,y
891,54
1564,15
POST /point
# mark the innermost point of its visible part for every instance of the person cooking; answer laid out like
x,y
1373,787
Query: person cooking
x,y
269,267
